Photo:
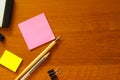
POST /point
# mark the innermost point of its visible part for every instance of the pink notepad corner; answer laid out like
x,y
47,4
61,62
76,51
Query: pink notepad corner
x,y
36,31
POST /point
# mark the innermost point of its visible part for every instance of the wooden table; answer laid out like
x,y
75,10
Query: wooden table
x,y
90,45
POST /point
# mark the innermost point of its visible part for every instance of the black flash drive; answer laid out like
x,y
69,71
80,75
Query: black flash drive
x,y
5,12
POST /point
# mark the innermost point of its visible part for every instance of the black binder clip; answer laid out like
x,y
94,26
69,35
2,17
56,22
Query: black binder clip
x,y
2,37
53,73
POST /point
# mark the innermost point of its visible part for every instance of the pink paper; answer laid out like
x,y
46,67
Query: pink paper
x,y
36,31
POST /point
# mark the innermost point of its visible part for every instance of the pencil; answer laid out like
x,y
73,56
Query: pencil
x,y
35,66
52,44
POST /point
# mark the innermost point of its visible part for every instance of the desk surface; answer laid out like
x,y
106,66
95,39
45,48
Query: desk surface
x,y
90,45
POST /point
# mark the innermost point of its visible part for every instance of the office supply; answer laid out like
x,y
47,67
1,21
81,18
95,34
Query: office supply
x,y
36,31
52,44
53,73
2,37
35,66
54,77
5,12
10,61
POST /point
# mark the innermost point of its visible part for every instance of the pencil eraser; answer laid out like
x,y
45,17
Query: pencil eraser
x,y
10,61
5,12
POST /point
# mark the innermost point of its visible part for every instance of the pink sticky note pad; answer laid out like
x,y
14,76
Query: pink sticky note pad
x,y
36,31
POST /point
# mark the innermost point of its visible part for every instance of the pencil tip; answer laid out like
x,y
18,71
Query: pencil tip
x,y
48,53
57,38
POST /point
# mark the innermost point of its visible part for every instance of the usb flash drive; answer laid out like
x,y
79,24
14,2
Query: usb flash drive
x,y
5,12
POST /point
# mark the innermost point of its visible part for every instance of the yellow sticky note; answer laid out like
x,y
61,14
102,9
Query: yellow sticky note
x,y
10,61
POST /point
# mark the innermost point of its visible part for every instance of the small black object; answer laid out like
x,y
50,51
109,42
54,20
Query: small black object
x,y
54,77
53,74
1,37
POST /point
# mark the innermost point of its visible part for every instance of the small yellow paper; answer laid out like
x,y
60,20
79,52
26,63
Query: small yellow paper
x,y
10,61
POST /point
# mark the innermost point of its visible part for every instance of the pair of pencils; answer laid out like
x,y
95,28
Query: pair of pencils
x,y
35,66
43,53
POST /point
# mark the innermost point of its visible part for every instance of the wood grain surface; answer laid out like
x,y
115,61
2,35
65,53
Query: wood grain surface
x,y
90,45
